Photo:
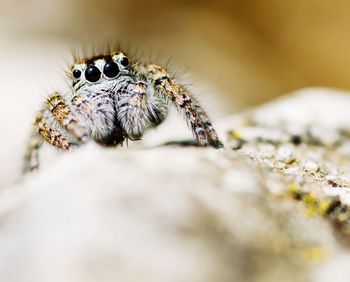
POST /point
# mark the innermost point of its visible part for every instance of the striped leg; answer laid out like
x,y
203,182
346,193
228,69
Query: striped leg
x,y
65,117
31,157
52,136
42,132
61,112
195,114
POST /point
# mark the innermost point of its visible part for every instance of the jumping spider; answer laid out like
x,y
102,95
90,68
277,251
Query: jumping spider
x,y
113,99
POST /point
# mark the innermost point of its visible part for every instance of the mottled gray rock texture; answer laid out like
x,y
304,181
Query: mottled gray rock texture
x,y
271,206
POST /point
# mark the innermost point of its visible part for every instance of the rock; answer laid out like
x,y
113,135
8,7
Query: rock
x,y
272,206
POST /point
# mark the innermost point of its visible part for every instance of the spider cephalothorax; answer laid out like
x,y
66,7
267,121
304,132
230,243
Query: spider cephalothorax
x,y
113,99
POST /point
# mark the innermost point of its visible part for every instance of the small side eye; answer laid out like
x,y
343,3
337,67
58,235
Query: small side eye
x,y
76,73
92,73
124,61
111,69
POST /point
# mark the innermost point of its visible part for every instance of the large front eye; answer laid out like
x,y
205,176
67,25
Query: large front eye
x,y
92,74
111,69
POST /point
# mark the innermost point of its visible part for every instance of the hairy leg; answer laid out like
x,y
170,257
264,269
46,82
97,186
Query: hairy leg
x,y
200,124
137,110
99,115
31,157
42,131
62,113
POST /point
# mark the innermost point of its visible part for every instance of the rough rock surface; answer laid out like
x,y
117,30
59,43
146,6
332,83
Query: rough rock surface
x,y
271,206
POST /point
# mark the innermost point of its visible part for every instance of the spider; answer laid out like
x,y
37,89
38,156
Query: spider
x,y
113,99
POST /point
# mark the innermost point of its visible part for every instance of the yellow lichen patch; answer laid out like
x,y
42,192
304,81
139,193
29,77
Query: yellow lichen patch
x,y
312,205
309,199
324,206
293,189
314,254
311,211
236,134
343,217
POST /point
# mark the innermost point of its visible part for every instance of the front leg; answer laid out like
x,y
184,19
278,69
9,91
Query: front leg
x,y
137,110
200,124
44,131
63,114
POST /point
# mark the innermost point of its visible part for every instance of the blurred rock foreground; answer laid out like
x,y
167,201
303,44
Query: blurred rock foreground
x,y
270,207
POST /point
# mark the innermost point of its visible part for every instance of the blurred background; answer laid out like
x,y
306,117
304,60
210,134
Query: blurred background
x,y
239,53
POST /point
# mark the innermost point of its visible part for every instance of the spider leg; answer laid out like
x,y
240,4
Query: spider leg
x,y
42,131
90,110
62,113
31,157
137,110
201,126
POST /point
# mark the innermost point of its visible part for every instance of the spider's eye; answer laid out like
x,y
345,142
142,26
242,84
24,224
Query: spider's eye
x,y
124,61
76,73
111,69
92,74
